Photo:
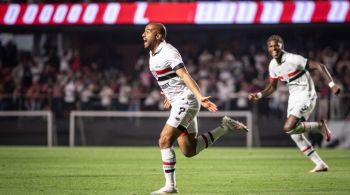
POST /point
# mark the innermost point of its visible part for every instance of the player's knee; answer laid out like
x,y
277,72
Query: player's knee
x,y
164,141
288,128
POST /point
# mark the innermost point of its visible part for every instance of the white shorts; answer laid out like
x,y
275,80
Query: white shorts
x,y
301,107
183,114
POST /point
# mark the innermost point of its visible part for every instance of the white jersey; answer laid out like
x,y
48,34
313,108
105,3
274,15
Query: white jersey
x,y
184,105
163,64
293,70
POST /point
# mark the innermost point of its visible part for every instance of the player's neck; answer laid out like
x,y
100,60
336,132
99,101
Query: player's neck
x,y
279,58
154,50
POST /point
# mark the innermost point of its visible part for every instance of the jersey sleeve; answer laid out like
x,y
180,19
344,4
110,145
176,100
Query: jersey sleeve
x,y
174,59
301,62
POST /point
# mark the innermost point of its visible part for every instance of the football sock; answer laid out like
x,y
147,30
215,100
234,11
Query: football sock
x,y
305,146
207,139
169,161
306,127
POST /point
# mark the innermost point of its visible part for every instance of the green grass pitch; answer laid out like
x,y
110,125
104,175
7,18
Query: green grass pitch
x,y
137,170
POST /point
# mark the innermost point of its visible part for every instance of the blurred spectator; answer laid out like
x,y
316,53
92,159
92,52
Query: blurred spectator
x,y
57,97
145,78
65,58
242,101
85,96
106,96
152,100
9,54
33,100
69,97
223,69
135,98
124,94
76,65
224,91
205,57
9,87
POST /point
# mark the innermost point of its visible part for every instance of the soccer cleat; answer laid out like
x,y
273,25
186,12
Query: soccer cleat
x,y
326,132
233,125
166,190
319,168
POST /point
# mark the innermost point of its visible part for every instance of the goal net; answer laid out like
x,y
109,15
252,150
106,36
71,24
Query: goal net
x,y
110,128
26,128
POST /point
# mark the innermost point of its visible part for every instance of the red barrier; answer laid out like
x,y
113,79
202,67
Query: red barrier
x,y
240,12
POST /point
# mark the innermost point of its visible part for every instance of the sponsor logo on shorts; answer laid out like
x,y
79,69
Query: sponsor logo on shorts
x,y
303,109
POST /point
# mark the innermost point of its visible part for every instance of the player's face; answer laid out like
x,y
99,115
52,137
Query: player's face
x,y
150,37
274,48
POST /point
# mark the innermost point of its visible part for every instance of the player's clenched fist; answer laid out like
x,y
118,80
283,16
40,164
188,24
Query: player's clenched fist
x,y
253,97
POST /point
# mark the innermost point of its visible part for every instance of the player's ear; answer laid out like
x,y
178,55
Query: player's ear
x,y
159,36
281,45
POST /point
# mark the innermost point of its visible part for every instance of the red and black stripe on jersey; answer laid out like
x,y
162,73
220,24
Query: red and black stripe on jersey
x,y
167,73
293,75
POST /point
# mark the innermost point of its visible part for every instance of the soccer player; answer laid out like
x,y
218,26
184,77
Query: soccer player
x,y
293,70
183,95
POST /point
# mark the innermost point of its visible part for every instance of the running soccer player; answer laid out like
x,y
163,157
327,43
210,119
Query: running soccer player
x,y
292,69
183,95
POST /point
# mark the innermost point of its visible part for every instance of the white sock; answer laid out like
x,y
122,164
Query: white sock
x,y
169,161
207,139
305,146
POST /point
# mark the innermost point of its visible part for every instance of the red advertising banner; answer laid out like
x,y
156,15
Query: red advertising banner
x,y
238,12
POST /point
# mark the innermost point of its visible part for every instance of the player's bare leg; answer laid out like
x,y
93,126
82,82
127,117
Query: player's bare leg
x,y
190,145
167,137
187,144
294,126
303,144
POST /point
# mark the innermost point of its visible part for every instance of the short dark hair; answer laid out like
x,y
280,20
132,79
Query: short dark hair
x,y
162,29
276,38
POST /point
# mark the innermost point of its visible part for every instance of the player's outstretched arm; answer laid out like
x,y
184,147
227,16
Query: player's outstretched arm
x,y
325,73
269,89
193,86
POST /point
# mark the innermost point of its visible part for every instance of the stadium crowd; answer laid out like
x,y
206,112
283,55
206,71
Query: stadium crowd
x,y
65,78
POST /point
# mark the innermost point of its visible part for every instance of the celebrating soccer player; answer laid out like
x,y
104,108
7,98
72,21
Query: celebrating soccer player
x,y
292,69
183,95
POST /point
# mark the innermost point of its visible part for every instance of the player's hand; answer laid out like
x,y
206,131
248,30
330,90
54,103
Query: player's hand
x,y
206,103
166,102
253,97
336,90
